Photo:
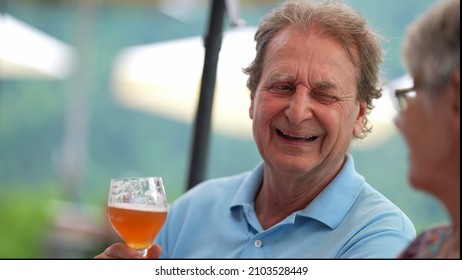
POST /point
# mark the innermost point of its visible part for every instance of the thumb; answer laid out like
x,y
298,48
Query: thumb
x,y
154,252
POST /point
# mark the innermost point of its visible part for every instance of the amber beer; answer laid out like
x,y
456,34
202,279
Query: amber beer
x,y
136,225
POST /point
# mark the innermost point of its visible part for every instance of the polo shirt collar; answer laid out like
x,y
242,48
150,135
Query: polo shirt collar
x,y
329,207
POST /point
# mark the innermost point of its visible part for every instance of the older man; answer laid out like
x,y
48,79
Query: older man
x,y
312,84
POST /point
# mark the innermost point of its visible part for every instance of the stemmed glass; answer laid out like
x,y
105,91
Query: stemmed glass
x,y
137,209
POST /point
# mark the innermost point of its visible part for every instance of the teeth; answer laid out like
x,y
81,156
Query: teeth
x,y
310,139
297,138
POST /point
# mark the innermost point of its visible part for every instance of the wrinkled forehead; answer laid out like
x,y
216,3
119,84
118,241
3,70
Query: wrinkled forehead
x,y
310,47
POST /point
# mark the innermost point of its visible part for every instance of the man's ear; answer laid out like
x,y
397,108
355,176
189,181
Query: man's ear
x,y
251,108
360,119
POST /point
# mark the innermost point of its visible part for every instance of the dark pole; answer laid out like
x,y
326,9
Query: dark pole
x,y
202,121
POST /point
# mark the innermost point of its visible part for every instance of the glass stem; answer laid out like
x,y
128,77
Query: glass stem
x,y
143,252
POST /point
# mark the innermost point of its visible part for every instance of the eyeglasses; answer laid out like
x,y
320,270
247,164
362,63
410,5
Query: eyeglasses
x,y
403,96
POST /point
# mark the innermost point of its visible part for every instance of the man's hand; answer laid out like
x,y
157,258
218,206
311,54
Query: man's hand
x,y
122,251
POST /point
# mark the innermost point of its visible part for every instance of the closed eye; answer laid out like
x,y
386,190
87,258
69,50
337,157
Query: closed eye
x,y
324,98
282,89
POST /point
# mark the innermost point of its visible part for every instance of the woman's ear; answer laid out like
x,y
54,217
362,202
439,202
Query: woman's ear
x,y
454,91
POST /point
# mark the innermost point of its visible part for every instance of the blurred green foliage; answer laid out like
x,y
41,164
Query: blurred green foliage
x,y
24,219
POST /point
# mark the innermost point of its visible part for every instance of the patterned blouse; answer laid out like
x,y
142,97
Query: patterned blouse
x,y
427,244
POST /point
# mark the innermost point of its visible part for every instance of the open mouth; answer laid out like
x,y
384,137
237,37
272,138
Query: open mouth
x,y
296,138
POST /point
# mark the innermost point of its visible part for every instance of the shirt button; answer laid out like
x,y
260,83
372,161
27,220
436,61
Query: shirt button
x,y
258,243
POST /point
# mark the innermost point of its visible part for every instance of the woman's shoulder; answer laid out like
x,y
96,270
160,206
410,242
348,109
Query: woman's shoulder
x,y
427,244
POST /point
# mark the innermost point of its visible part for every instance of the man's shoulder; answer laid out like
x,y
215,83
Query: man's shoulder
x,y
221,184
215,189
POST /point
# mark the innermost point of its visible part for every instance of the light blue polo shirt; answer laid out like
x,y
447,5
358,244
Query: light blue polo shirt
x,y
348,219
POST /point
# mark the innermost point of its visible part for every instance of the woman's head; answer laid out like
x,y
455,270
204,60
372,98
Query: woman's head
x,y
430,122
431,49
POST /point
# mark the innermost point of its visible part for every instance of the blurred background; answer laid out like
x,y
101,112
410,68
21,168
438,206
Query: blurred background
x,y
97,89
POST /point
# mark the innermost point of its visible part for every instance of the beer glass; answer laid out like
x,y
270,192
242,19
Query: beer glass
x,y
137,209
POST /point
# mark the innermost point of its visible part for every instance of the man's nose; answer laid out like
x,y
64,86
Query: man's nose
x,y
299,107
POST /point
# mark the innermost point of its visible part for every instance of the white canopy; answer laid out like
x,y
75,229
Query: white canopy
x,y
26,52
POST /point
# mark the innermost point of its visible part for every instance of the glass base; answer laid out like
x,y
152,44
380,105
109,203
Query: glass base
x,y
143,252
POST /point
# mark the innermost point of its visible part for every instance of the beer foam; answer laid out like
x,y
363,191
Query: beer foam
x,y
137,207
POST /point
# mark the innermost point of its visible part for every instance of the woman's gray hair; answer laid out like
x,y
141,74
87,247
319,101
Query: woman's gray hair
x,y
431,49
335,20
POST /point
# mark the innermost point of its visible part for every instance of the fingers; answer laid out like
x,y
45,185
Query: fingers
x,y
154,252
119,251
